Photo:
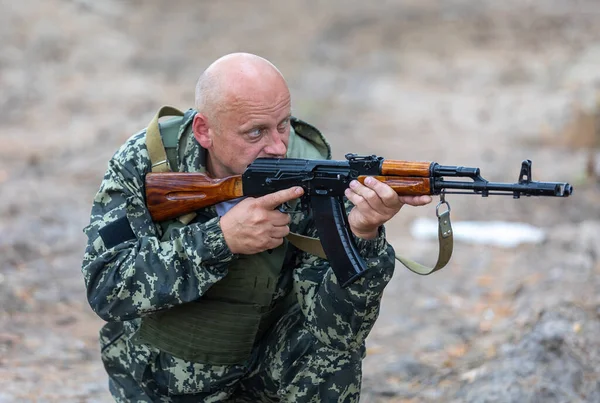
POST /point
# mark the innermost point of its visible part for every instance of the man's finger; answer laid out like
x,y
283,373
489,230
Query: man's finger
x,y
273,200
385,192
280,232
416,200
275,242
279,219
363,205
369,195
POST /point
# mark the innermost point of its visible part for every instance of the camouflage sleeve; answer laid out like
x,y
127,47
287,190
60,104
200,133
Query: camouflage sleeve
x,y
127,278
343,317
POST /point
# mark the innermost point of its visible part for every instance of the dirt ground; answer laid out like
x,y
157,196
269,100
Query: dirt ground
x,y
461,82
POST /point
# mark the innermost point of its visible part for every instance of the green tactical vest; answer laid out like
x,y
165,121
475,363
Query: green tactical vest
x,y
222,327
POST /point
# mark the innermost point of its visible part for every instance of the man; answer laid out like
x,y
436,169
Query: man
x,y
223,308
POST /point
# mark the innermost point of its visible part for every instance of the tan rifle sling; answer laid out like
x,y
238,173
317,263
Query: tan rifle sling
x,y
445,240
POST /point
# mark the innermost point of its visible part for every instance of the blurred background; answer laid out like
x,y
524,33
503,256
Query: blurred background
x,y
461,82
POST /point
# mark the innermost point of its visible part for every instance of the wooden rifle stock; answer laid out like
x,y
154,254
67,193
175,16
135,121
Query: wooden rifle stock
x,y
172,194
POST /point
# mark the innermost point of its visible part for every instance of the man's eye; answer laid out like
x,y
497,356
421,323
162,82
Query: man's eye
x,y
283,125
255,133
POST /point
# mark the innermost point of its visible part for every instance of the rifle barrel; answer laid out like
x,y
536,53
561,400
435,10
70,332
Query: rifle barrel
x,y
556,189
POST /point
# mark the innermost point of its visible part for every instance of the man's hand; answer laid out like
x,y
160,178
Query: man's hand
x,y
375,204
254,225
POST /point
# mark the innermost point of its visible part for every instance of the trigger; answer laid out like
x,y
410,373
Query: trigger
x,y
287,209
284,208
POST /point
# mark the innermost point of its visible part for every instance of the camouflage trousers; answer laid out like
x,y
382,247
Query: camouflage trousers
x,y
288,365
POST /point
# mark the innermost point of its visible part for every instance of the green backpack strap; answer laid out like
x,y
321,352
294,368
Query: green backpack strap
x,y
154,143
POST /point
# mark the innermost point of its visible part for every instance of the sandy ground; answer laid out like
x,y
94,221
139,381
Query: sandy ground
x,y
475,83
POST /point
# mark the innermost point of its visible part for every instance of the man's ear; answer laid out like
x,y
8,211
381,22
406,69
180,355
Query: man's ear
x,y
201,130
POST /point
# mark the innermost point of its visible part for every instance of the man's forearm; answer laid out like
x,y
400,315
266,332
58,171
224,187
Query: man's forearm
x,y
146,275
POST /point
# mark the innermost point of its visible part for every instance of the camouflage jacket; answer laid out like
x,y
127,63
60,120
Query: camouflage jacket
x,y
141,275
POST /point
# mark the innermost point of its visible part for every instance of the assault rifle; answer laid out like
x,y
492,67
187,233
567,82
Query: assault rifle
x,y
172,194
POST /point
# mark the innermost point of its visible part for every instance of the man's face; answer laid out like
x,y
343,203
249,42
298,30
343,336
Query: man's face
x,y
246,128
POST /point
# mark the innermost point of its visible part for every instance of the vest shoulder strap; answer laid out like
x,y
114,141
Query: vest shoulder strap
x,y
154,142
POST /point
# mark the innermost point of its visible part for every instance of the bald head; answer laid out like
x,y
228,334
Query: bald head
x,y
244,112
233,77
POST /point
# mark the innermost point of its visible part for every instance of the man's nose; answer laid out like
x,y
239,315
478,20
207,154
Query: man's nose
x,y
277,146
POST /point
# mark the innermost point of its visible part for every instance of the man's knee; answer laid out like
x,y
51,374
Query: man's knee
x,y
313,371
296,366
